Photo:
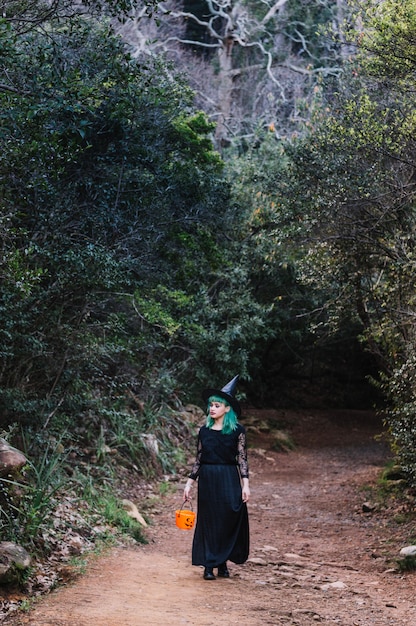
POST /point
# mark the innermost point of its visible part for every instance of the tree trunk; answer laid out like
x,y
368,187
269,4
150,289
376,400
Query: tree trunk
x,y
225,91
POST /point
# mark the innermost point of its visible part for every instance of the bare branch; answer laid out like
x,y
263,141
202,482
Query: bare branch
x,y
190,16
4,87
272,11
191,42
306,71
269,64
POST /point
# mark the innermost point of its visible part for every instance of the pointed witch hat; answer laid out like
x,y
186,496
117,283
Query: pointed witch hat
x,y
227,392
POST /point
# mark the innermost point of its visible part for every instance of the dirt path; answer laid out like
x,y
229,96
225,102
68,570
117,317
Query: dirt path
x,y
316,557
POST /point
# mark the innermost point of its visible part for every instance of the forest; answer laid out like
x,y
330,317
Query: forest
x,y
191,190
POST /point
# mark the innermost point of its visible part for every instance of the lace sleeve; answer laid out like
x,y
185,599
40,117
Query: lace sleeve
x,y
197,463
242,455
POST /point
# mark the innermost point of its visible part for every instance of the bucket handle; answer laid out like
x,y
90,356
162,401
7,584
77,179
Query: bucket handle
x,y
184,502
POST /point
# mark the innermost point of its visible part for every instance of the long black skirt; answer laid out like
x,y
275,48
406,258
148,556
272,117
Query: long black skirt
x,y
222,529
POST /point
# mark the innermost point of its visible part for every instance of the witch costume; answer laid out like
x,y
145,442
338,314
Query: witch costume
x,y
222,528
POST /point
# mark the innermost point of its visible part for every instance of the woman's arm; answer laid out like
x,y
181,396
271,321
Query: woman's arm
x,y
195,470
243,465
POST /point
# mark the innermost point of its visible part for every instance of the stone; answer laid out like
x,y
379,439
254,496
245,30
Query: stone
x,y
75,545
132,511
151,443
408,551
258,561
336,585
292,556
11,459
13,558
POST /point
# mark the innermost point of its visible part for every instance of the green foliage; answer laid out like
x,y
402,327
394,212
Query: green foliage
x,y
275,252
194,132
401,415
153,439
28,503
407,564
114,514
150,442
353,185
27,16
388,39
303,21
111,177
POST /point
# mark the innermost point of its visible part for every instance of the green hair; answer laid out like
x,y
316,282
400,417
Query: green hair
x,y
230,418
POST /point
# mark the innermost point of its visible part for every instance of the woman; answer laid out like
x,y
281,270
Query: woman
x,y
221,467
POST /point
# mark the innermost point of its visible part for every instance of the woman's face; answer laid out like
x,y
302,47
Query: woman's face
x,y
217,410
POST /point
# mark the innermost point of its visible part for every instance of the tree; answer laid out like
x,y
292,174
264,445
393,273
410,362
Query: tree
x,y
355,181
252,65
108,175
28,16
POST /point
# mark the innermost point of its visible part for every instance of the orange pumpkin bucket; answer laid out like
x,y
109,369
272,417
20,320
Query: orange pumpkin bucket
x,y
185,518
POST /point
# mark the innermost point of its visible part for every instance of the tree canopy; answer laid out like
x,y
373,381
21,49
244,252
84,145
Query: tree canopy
x,y
354,176
111,179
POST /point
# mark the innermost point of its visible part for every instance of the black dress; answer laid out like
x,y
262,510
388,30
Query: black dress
x,y
222,530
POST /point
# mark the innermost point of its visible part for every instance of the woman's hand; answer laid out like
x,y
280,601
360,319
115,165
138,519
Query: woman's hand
x,y
187,490
245,493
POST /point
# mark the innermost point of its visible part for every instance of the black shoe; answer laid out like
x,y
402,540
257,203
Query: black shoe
x,y
208,574
223,571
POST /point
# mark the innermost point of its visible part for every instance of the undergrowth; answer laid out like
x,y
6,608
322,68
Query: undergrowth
x,y
393,494
79,475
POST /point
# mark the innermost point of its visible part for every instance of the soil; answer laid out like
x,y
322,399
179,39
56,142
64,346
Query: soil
x,y
322,550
